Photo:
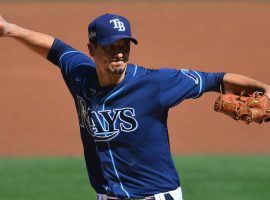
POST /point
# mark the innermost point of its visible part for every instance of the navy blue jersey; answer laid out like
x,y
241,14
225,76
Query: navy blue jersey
x,y
124,127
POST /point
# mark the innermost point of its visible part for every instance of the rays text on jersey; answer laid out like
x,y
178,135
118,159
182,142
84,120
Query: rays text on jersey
x,y
104,125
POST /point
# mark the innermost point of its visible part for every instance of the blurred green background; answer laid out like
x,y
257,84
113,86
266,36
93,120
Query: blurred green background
x,y
202,177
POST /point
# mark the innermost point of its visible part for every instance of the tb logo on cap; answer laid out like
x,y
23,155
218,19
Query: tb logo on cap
x,y
118,24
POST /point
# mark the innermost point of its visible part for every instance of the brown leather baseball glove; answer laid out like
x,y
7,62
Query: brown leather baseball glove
x,y
248,108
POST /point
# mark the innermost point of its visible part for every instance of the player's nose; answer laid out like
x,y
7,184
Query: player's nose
x,y
119,56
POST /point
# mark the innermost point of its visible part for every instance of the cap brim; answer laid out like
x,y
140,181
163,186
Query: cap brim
x,y
110,40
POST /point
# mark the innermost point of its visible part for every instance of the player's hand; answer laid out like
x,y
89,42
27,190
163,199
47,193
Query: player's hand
x,y
3,26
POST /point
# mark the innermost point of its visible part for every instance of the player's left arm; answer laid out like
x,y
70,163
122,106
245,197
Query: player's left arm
x,y
236,83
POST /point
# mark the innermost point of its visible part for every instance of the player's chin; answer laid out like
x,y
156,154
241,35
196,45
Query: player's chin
x,y
117,67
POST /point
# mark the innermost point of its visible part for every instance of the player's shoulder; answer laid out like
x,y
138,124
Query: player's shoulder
x,y
141,71
169,74
84,69
156,71
67,58
179,72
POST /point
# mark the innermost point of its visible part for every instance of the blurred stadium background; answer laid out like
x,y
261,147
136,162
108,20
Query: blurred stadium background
x,y
218,158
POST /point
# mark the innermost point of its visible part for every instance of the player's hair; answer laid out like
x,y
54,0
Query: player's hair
x,y
93,42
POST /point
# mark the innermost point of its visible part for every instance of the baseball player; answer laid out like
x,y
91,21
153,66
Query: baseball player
x,y
123,107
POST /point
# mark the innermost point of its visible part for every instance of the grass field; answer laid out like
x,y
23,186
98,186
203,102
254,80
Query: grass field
x,y
203,178
153,1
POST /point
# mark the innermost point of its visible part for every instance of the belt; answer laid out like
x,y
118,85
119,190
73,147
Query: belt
x,y
106,197
170,195
146,198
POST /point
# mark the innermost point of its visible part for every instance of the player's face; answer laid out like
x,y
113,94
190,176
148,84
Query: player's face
x,y
112,58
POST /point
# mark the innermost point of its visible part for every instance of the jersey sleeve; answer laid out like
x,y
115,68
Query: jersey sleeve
x,y
67,58
178,85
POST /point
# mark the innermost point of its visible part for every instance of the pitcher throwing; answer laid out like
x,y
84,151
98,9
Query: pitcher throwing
x,y
123,107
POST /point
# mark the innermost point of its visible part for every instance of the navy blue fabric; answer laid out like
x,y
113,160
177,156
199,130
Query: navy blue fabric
x,y
178,85
124,128
168,197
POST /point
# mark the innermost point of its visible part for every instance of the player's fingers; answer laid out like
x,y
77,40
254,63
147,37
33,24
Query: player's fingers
x,y
2,20
3,24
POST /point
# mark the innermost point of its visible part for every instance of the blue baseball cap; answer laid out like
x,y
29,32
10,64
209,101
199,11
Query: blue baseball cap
x,y
108,28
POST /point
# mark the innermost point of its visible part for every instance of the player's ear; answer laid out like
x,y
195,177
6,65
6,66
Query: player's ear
x,y
91,49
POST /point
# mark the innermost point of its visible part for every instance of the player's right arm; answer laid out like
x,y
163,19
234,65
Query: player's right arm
x,y
56,51
38,42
